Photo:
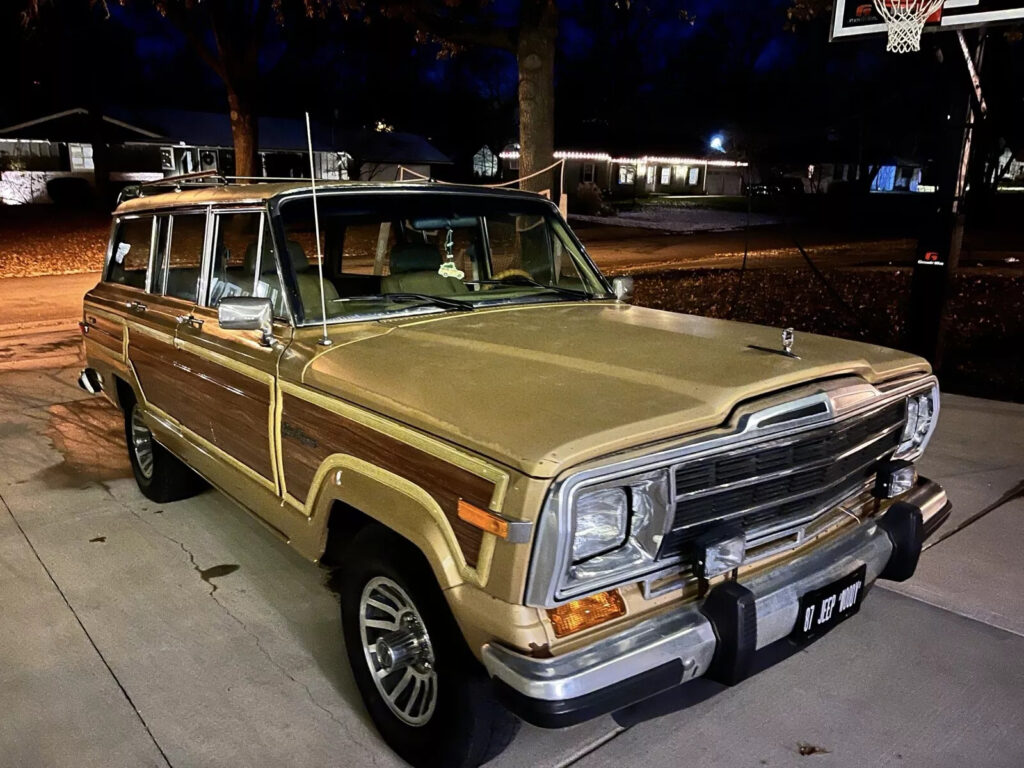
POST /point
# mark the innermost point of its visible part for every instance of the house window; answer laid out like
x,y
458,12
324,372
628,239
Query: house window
x,y
485,163
588,173
650,174
666,174
81,157
694,176
627,174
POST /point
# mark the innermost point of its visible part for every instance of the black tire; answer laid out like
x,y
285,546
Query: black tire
x,y
165,478
468,726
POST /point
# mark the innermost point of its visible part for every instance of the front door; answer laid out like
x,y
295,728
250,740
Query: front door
x,y
232,375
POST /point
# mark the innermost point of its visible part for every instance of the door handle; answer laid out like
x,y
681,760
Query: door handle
x,y
190,320
137,306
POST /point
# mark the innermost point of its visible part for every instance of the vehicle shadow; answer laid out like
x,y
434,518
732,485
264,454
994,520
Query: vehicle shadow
x,y
697,691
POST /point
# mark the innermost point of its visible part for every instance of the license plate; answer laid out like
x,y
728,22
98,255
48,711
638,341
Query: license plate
x,y
823,608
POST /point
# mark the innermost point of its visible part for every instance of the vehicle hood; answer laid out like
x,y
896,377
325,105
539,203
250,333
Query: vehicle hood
x,y
541,388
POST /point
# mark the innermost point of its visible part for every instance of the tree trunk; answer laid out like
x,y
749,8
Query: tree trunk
x,y
100,159
536,57
244,132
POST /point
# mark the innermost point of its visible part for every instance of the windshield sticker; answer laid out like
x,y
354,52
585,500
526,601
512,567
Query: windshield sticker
x,y
122,251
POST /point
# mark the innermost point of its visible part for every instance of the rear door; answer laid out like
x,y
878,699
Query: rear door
x,y
172,288
232,375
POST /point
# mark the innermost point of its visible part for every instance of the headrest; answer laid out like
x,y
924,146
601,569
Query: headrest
x,y
414,257
266,267
299,261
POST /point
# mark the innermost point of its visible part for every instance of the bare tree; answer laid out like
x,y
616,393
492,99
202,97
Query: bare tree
x,y
228,35
532,39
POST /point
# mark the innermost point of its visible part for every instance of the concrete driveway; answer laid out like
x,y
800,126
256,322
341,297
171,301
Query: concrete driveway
x,y
135,634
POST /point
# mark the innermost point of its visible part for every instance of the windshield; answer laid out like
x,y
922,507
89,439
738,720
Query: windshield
x,y
387,253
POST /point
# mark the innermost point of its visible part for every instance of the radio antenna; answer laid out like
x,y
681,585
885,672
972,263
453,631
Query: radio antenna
x,y
324,341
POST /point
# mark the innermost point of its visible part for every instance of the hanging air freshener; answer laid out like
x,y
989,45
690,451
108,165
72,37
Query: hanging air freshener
x,y
448,267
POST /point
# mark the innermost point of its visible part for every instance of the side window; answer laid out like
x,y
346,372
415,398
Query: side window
x,y
130,257
237,244
179,255
268,286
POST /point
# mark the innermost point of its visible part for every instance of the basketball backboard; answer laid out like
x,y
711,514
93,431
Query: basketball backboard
x,y
857,18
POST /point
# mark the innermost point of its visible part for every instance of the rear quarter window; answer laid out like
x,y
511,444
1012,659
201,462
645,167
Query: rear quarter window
x,y
129,257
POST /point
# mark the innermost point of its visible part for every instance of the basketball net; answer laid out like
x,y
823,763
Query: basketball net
x,y
905,20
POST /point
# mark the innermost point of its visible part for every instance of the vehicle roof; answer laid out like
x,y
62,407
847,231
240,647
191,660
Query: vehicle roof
x,y
237,194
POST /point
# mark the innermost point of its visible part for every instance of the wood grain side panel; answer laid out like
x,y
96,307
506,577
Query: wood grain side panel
x,y
309,434
227,408
235,408
105,333
153,360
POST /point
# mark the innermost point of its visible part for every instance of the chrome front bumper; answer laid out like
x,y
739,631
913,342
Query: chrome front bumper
x,y
680,644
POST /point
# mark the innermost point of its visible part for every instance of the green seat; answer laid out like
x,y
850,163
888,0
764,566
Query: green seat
x,y
307,280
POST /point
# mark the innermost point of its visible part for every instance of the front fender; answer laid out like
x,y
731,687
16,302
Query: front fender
x,y
402,506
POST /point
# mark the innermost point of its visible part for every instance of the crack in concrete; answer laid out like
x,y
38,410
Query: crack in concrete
x,y
245,627
592,747
1017,492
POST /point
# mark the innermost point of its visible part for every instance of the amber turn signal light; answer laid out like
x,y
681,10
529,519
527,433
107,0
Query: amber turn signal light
x,y
586,612
482,519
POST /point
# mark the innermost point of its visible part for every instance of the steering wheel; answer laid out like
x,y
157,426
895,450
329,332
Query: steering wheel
x,y
512,273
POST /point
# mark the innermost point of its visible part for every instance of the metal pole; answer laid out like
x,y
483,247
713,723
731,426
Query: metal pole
x,y
938,248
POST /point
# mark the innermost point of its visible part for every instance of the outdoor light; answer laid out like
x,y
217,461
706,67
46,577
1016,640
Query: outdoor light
x,y
718,143
719,550
893,478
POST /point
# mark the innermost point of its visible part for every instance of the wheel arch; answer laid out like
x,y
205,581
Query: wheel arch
x,y
353,493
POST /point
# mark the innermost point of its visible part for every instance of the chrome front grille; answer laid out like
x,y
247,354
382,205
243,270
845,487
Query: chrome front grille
x,y
773,488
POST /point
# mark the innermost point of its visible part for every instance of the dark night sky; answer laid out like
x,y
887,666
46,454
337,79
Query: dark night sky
x,y
626,81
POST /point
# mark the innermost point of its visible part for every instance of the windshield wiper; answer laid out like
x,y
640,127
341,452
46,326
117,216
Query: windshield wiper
x,y
523,280
426,298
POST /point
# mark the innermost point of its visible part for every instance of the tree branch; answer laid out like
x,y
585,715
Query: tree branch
x,y
178,18
436,20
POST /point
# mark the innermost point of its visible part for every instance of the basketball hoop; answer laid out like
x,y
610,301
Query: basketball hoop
x,y
905,21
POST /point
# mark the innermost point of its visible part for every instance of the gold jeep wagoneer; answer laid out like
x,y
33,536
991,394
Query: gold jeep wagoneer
x,y
539,499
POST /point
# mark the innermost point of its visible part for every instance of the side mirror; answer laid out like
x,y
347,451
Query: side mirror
x,y
247,314
622,287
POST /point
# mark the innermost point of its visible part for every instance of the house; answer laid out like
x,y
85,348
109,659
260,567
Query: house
x,y
890,174
143,145
641,174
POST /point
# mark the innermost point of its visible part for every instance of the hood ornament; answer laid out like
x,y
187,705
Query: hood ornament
x,y
788,336
787,340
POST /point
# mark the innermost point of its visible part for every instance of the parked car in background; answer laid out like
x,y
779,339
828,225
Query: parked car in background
x,y
541,501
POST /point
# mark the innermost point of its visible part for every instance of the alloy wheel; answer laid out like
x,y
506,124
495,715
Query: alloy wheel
x,y
398,651
142,444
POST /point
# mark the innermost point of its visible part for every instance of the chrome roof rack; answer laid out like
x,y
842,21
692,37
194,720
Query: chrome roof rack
x,y
198,179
